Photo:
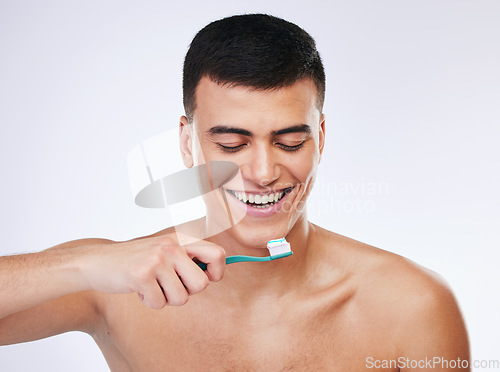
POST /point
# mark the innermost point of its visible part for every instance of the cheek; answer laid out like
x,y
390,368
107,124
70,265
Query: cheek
x,y
207,151
204,152
304,170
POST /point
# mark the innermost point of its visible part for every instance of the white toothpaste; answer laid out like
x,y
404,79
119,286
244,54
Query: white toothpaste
x,y
278,246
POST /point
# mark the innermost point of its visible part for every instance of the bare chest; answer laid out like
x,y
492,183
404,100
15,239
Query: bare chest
x,y
192,338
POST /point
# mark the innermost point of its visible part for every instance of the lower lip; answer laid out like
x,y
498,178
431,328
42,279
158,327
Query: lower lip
x,y
261,212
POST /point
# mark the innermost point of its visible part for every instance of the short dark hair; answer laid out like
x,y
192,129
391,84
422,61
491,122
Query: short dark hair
x,y
254,50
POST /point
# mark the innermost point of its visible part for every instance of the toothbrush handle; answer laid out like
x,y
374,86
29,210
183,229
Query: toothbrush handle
x,y
234,259
202,265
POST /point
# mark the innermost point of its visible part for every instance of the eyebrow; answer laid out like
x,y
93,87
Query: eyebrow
x,y
222,129
302,128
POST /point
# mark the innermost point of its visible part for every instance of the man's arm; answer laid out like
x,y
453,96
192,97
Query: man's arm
x,y
435,336
53,291
28,280
37,302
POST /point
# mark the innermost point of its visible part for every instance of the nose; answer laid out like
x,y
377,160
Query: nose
x,y
261,167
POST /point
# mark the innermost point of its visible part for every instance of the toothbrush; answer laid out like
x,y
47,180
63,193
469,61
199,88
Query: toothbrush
x,y
278,248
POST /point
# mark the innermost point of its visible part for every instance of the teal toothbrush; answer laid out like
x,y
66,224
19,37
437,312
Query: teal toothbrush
x,y
278,248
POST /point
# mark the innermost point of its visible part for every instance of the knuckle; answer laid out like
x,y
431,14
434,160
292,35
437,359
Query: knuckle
x,y
221,253
217,276
169,249
142,274
184,300
165,250
161,304
204,282
217,255
157,259
200,284
182,295
157,304
164,240
151,301
179,299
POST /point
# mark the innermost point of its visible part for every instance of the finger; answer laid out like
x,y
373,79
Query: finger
x,y
211,254
194,279
173,289
152,295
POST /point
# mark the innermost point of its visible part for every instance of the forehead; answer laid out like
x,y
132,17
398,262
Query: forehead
x,y
218,104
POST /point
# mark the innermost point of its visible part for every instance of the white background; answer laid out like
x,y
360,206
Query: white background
x,y
413,93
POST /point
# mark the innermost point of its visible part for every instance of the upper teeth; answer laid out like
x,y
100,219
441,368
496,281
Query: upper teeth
x,y
258,198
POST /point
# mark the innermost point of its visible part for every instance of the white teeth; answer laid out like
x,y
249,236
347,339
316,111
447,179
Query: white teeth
x,y
263,201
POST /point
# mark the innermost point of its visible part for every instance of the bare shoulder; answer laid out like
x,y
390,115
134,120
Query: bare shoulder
x,y
422,306
408,302
385,274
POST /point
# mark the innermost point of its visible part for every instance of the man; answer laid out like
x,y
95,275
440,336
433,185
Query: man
x,y
253,94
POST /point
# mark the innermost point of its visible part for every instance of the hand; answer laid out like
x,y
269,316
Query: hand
x,y
159,270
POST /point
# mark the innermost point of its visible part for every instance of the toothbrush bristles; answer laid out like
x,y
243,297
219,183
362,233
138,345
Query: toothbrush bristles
x,y
278,246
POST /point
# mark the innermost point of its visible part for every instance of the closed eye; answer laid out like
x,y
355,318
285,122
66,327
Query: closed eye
x,y
231,148
290,148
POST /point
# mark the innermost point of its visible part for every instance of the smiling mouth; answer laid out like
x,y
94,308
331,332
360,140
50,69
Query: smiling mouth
x,y
260,200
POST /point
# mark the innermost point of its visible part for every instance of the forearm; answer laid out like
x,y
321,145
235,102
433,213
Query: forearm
x,y
150,267
30,279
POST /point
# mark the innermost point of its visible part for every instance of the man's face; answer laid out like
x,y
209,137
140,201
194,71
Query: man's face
x,y
276,138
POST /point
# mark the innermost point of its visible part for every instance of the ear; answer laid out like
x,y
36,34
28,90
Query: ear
x,y
321,141
186,141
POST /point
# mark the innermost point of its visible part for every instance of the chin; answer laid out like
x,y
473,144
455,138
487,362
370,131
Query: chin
x,y
256,236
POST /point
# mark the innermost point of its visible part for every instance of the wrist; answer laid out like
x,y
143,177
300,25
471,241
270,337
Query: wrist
x,y
71,264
